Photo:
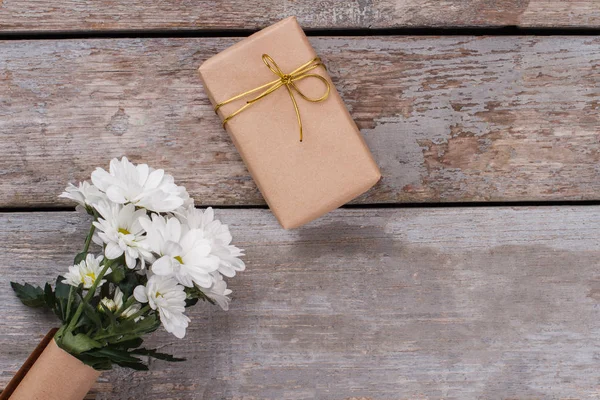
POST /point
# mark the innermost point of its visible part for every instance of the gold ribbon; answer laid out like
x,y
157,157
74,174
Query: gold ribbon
x,y
287,80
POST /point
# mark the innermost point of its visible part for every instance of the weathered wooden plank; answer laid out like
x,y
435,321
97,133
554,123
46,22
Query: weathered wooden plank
x,y
447,118
69,15
452,303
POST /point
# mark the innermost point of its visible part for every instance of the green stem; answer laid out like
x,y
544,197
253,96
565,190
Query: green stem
x,y
88,239
86,247
69,303
88,296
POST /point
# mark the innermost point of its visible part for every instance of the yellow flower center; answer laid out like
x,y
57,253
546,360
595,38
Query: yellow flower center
x,y
159,294
178,258
91,275
124,231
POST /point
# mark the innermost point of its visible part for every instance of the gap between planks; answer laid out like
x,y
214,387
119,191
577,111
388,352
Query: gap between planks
x,y
399,206
174,15
203,33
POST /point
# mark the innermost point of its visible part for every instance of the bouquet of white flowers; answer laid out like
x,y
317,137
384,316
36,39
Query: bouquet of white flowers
x,y
159,255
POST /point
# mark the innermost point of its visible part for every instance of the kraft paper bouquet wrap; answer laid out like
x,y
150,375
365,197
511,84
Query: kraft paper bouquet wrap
x,y
289,123
148,256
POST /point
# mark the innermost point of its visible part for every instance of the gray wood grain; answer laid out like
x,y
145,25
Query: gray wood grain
x,y
458,303
449,119
173,15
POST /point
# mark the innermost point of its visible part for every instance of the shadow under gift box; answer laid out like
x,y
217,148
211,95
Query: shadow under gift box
x,y
300,181
50,373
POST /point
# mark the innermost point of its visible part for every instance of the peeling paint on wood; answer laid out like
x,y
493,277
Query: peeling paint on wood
x,y
449,119
482,303
69,15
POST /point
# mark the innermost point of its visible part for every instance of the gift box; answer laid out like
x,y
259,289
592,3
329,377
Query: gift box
x,y
50,373
289,123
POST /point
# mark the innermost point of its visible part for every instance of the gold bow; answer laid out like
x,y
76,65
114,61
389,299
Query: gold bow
x,y
286,80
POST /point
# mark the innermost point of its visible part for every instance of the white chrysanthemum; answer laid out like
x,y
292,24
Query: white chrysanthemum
x,y
182,252
219,292
120,229
218,236
140,185
86,272
168,297
116,303
129,311
86,195
108,303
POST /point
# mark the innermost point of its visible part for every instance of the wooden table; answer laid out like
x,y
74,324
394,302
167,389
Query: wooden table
x,y
471,271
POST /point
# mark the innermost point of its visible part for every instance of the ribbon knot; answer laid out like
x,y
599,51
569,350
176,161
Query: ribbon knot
x,y
287,80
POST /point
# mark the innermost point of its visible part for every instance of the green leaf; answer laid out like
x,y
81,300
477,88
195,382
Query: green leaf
x,y
146,325
61,290
92,315
99,364
31,296
114,355
80,257
155,354
58,311
105,290
191,302
61,298
138,366
76,344
117,340
49,297
129,344
117,274
128,329
117,356
128,284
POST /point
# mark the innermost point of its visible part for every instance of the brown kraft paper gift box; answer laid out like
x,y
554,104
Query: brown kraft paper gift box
x,y
50,373
300,181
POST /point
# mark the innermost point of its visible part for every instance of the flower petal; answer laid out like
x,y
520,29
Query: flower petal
x,y
172,248
140,294
173,229
101,179
116,194
142,170
154,178
130,261
163,266
113,251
